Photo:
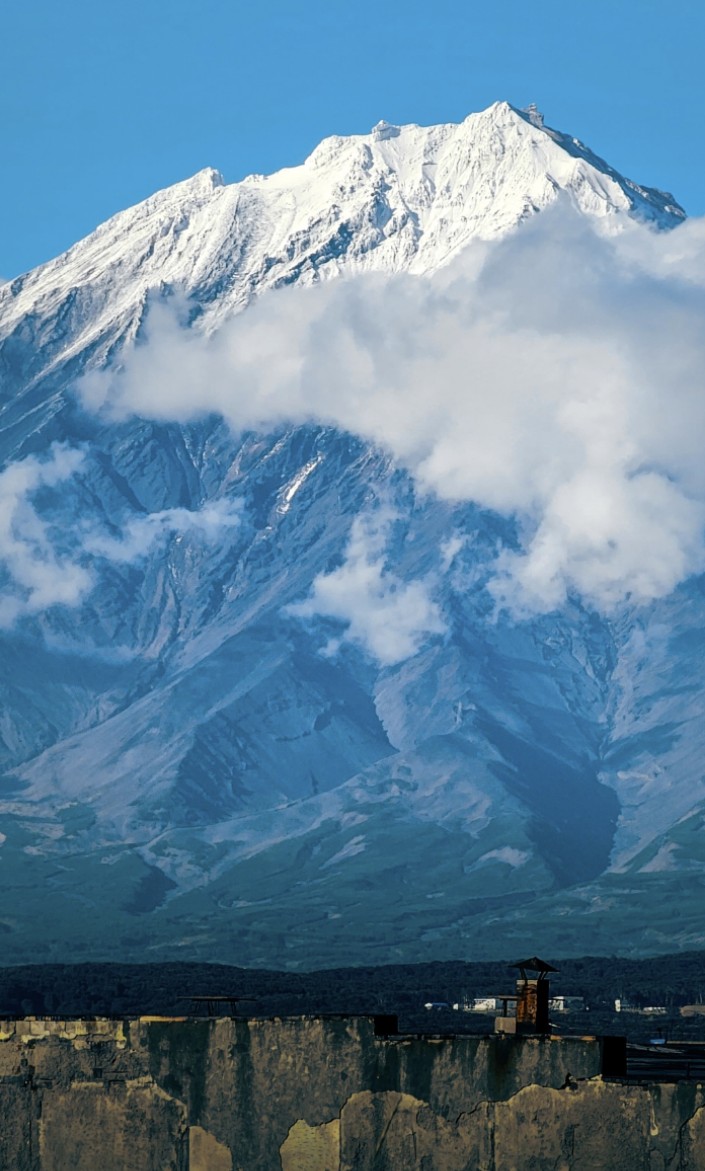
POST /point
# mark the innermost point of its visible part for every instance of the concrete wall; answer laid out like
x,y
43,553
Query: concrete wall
x,y
325,1095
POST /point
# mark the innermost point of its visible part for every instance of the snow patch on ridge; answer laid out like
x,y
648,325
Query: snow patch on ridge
x,y
289,491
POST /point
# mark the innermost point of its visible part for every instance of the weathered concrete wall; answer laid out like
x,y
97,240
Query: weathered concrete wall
x,y
90,1127
596,1126
247,1082
325,1095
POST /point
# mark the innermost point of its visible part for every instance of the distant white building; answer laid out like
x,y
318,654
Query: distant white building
x,y
485,1004
567,1004
648,1010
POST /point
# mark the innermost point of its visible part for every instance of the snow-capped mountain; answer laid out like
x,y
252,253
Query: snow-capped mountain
x,y
403,198
193,759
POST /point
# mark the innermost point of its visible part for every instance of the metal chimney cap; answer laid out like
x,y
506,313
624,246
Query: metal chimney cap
x,y
534,964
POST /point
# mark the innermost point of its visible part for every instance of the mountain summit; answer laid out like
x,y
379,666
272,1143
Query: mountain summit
x,y
400,199
258,705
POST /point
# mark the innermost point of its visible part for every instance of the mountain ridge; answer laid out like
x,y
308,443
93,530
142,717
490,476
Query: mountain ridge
x,y
460,150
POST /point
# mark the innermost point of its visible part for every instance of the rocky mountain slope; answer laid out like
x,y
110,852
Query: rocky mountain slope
x,y
199,762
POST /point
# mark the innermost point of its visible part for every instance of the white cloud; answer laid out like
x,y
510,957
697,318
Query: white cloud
x,y
56,563
36,575
450,548
387,617
557,375
608,536
140,533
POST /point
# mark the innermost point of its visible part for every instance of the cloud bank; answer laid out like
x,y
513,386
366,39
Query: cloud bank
x,y
557,375
385,616
139,534
34,576
41,567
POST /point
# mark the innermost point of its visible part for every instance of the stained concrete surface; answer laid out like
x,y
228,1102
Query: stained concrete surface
x,y
316,1094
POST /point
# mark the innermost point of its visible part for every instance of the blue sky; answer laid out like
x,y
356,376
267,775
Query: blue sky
x,y
104,103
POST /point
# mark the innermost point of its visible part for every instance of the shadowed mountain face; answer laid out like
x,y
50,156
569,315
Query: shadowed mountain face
x,y
198,756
